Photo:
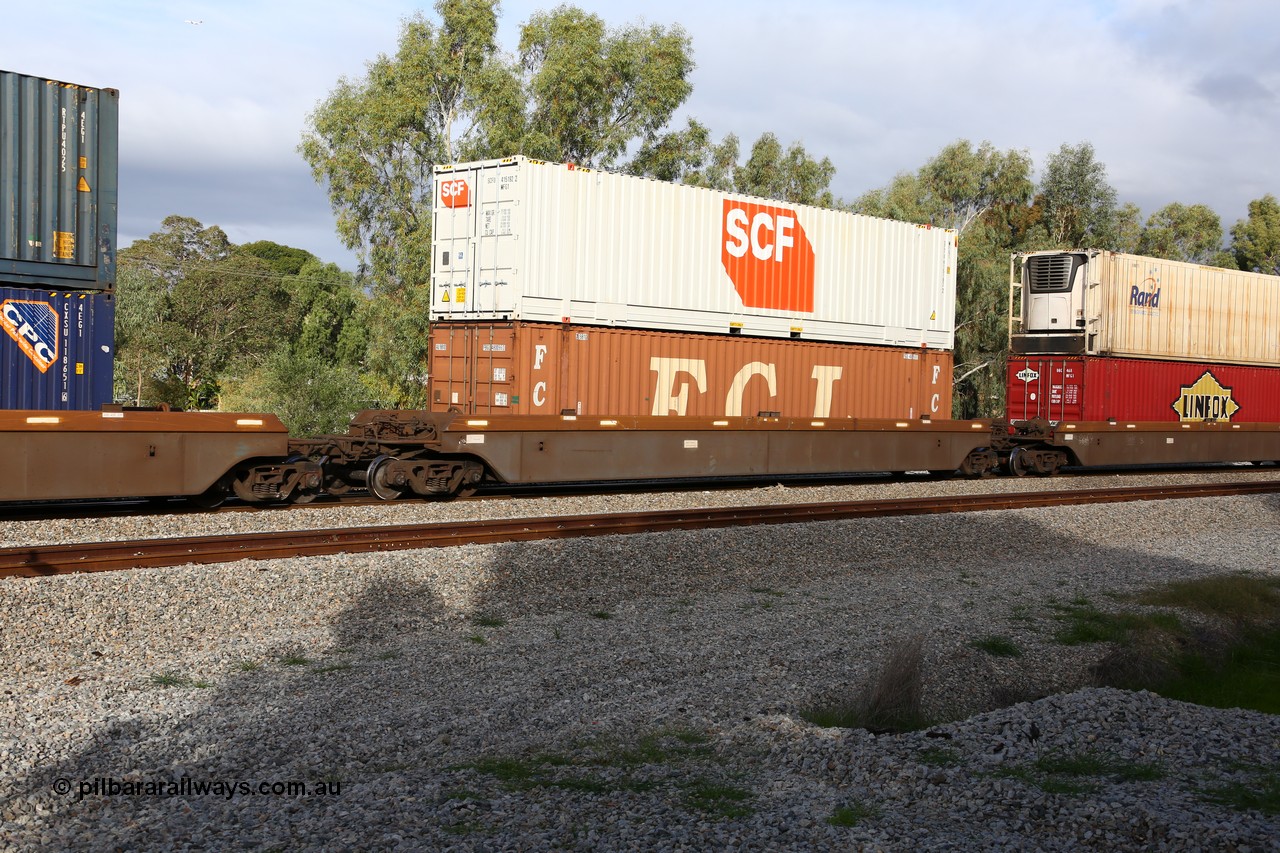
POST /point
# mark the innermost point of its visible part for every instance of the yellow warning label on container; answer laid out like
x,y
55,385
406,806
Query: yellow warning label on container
x,y
460,294
83,186
84,162
444,295
64,244
79,368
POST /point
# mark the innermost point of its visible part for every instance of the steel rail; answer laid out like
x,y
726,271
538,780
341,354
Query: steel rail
x,y
42,560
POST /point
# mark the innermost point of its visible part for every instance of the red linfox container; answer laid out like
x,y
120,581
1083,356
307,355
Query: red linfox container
x,y
1098,388
545,368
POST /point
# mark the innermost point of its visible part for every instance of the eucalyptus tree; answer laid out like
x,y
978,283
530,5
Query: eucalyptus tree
x,y
981,193
203,306
578,91
1181,232
1255,241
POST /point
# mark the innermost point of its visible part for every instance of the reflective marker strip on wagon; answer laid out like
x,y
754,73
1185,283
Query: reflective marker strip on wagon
x,y
691,444
248,422
113,415
44,420
477,423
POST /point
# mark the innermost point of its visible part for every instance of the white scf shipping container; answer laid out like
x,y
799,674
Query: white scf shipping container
x,y
519,239
1108,303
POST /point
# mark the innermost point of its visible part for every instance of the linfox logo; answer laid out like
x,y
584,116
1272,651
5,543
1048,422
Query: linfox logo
x,y
455,193
1206,399
767,256
1146,295
34,326
1027,374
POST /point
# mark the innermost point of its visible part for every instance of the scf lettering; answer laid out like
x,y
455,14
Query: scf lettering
x,y
450,189
766,235
25,330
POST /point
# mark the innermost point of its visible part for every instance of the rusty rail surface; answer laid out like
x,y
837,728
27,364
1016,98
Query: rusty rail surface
x,y
41,560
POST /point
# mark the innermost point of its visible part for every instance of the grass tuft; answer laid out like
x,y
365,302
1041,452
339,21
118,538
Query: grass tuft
x,y
852,814
997,646
1261,793
891,702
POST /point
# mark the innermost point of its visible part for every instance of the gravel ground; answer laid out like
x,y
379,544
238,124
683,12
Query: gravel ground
x,y
619,693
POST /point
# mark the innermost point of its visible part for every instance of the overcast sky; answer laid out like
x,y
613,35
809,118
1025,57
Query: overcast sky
x,y
1181,100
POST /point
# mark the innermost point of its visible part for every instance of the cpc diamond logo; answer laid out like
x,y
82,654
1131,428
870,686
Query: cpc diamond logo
x,y
34,326
768,257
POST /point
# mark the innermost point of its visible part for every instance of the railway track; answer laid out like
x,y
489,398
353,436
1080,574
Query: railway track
x,y
39,561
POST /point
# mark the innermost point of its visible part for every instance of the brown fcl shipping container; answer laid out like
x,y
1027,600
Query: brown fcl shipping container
x,y
524,368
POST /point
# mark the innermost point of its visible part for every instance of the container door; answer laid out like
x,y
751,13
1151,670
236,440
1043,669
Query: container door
x,y
453,260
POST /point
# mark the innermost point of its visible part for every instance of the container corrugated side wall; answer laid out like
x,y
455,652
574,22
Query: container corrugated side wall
x,y
541,368
519,239
56,349
59,163
1095,388
1153,308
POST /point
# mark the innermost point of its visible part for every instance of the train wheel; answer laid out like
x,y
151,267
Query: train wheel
x,y
1018,466
379,486
243,490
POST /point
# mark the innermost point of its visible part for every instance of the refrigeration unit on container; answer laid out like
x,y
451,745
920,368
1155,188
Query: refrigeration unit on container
x,y
1107,303
57,348
523,368
519,239
1099,388
59,159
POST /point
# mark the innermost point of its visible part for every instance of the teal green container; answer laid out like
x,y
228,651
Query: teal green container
x,y
59,183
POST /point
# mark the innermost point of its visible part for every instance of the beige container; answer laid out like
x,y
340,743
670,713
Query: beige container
x,y
539,368
1140,307
518,239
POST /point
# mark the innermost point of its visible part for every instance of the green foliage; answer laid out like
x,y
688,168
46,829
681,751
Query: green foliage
x,y
310,395
1259,792
1256,240
581,92
996,646
1182,233
284,260
1079,205
852,814
204,324
594,90
202,305
1244,676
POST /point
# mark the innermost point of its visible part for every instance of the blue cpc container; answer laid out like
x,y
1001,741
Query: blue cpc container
x,y
57,349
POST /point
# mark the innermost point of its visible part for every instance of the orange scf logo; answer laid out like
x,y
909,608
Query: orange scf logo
x,y
34,326
455,193
767,256
1206,399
